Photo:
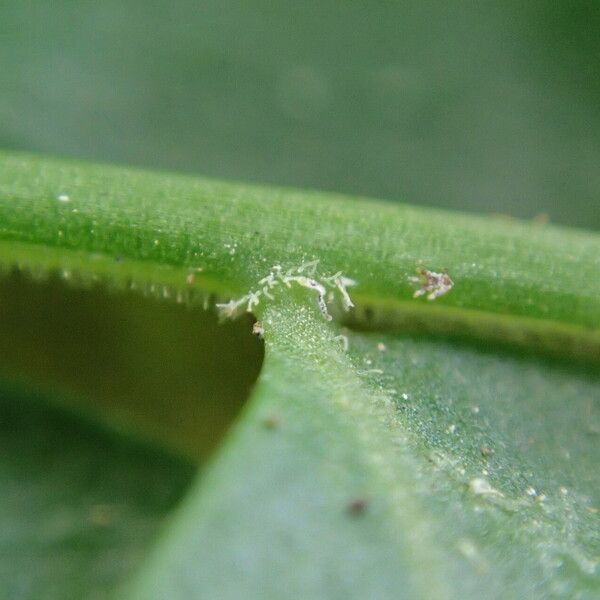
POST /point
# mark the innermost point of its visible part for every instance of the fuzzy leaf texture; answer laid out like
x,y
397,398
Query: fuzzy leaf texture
x,y
404,449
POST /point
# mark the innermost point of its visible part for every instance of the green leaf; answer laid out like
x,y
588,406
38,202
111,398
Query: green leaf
x,y
421,470
406,467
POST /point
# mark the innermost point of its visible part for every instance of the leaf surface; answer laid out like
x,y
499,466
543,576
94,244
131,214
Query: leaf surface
x,y
409,466
404,469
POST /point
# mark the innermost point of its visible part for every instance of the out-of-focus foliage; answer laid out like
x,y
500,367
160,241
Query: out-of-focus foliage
x,y
490,108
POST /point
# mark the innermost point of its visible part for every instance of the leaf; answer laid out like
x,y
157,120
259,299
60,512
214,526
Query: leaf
x,y
428,468
436,478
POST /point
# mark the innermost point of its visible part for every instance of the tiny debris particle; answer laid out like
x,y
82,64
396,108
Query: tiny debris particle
x,y
357,507
381,347
486,451
591,509
63,198
467,548
563,490
431,283
537,496
470,551
258,330
191,276
404,396
482,487
343,339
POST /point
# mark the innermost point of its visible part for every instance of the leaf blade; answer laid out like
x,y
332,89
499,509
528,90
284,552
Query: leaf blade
x,y
437,516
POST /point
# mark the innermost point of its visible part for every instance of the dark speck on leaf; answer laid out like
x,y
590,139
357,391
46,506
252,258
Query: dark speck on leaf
x,y
357,507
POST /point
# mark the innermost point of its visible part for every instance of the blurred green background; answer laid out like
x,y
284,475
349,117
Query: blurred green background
x,y
491,107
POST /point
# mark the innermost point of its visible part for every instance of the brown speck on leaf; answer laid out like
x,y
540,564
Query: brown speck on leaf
x,y
271,422
358,506
486,451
